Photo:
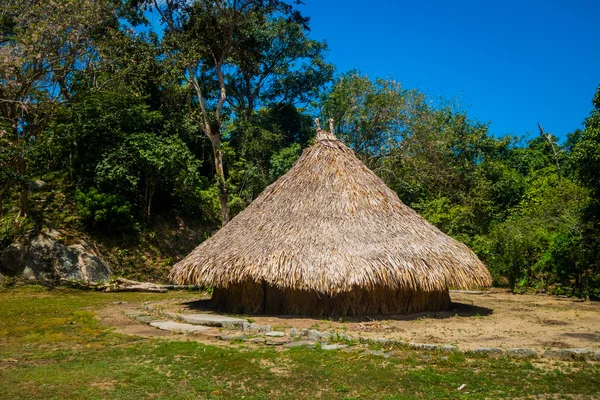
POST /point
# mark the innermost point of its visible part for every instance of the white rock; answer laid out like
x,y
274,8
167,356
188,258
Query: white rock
x,y
314,334
178,326
333,346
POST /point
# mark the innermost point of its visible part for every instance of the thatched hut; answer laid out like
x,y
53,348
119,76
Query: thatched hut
x,y
330,238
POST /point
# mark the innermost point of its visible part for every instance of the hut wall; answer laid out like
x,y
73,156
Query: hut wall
x,y
260,298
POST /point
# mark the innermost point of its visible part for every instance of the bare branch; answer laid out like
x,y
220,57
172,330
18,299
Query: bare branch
x,y
548,137
198,90
219,64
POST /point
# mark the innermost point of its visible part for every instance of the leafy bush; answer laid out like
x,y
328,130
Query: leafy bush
x,y
104,211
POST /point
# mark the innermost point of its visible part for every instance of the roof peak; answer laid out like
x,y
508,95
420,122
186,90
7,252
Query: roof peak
x,y
323,134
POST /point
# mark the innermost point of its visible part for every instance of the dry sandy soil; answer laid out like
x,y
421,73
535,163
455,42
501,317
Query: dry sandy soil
x,y
492,319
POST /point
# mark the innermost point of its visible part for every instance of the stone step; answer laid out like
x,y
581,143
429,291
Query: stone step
x,y
275,334
334,346
178,327
210,319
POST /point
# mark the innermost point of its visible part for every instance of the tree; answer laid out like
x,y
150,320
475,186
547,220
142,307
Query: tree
x,y
42,46
264,147
587,151
130,154
586,162
421,150
7,172
145,163
531,243
243,54
371,116
275,64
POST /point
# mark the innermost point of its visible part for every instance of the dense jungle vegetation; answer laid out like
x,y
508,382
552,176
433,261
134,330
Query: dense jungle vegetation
x,y
145,138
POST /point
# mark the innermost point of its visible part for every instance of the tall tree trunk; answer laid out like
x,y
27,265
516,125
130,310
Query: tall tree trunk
x,y
215,140
1,202
152,189
147,196
24,196
21,170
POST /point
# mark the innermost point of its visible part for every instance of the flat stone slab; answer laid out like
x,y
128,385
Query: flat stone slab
x,y
255,340
313,334
232,337
491,351
142,317
134,314
424,346
275,334
275,342
568,354
178,327
521,353
343,336
333,346
210,319
448,348
300,343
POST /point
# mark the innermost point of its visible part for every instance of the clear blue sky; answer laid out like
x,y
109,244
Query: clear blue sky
x,y
513,63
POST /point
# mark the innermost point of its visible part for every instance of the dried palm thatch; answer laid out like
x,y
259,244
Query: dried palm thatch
x,y
331,229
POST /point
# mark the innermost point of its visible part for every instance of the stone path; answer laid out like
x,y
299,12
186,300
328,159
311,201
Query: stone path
x,y
237,329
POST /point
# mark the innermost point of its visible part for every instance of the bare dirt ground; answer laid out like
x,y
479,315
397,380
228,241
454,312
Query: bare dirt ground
x,y
493,319
116,316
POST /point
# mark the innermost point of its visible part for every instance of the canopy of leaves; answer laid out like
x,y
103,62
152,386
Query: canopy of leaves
x,y
107,112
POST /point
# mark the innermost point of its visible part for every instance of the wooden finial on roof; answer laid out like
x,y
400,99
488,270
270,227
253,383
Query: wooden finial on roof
x,y
323,134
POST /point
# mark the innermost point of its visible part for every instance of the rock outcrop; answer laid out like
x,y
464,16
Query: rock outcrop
x,y
45,260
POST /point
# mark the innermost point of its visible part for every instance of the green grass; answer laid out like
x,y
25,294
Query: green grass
x,y
52,347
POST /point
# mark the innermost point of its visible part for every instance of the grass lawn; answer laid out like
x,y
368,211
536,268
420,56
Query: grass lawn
x,y
52,347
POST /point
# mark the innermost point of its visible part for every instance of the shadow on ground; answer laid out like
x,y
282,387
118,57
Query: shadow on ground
x,y
457,309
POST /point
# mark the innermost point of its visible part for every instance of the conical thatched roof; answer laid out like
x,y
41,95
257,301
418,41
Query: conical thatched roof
x,y
330,225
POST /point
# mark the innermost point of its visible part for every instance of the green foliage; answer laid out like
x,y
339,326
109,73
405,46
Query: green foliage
x,y
501,196
114,122
454,219
262,148
276,63
586,164
146,164
283,160
586,154
371,116
103,210
13,229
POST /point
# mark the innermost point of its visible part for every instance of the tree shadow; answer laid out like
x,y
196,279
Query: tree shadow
x,y
462,310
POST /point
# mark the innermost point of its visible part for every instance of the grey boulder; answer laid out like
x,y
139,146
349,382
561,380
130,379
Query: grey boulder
x,y
45,260
521,353
568,354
